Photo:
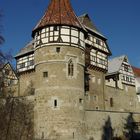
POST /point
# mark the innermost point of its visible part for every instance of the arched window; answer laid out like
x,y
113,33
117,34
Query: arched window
x,y
70,68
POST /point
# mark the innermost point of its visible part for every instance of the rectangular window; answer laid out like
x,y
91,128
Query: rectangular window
x,y
58,49
22,65
98,42
30,63
111,102
80,101
55,103
87,82
95,98
126,68
45,74
127,78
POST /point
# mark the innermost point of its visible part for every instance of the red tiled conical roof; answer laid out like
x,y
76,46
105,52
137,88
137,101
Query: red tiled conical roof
x,y
59,12
136,71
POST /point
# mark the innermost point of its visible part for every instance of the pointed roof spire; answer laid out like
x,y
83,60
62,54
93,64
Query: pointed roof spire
x,y
59,12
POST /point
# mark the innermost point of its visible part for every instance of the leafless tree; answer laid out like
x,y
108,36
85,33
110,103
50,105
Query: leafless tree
x,y
16,119
3,56
1,37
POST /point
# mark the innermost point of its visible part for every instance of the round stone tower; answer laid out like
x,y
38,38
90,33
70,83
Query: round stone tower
x,y
59,67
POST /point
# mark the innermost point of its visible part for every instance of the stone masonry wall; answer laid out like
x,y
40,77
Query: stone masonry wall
x,y
96,120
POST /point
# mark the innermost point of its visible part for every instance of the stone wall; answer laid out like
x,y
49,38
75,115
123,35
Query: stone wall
x,y
96,121
16,118
122,99
95,96
26,83
59,106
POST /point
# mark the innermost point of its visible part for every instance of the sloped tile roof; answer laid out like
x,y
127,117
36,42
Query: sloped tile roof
x,y
27,49
115,64
87,22
136,71
59,12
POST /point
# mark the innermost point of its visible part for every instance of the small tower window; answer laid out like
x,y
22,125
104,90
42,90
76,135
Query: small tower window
x,y
80,101
55,103
87,78
58,49
45,74
111,102
97,108
70,68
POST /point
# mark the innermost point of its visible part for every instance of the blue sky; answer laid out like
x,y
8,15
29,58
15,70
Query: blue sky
x,y
118,20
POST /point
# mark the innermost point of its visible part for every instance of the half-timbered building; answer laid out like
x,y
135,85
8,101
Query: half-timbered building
x,y
26,68
8,80
66,69
96,61
120,84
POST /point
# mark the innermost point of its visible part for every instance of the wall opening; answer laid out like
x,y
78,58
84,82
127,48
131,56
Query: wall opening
x,y
70,68
45,74
58,49
111,102
55,103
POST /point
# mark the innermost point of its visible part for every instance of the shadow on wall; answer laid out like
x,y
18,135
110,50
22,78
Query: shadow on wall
x,y
107,130
131,130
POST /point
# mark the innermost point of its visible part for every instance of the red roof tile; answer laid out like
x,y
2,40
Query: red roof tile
x,y
136,71
59,12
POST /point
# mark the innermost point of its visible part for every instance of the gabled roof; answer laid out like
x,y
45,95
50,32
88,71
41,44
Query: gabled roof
x,y
136,71
7,64
115,64
87,22
59,12
29,48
